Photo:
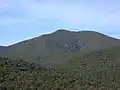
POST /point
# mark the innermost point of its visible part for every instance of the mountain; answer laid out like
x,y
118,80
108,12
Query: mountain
x,y
84,60
60,42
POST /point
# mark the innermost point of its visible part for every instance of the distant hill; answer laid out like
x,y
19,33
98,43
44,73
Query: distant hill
x,y
2,50
60,42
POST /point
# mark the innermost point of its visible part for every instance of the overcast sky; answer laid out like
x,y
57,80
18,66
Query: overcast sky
x,y
24,19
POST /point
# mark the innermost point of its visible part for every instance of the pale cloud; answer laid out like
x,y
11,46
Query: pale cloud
x,y
3,3
7,21
73,14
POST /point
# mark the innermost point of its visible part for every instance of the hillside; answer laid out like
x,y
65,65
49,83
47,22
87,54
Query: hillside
x,y
60,42
91,59
2,50
97,60
92,71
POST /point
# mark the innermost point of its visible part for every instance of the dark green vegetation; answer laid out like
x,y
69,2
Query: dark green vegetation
x,y
63,60
59,42
92,71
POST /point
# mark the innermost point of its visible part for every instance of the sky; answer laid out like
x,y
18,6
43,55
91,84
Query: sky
x,y
24,19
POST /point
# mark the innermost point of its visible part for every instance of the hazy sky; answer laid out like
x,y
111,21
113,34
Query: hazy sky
x,y
24,19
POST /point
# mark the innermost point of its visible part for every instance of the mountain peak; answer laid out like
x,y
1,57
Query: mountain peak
x,y
82,31
66,32
62,31
59,31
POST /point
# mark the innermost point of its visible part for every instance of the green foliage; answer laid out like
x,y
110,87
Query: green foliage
x,y
85,72
56,69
